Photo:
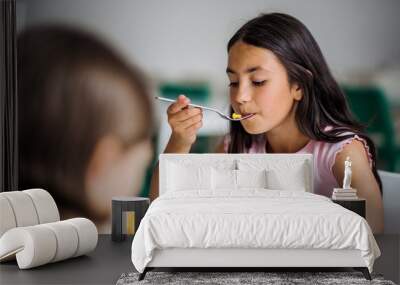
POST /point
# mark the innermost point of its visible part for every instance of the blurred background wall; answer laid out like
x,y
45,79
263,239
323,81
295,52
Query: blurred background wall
x,y
178,39
183,43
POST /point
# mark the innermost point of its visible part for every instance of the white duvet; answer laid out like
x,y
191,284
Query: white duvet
x,y
253,218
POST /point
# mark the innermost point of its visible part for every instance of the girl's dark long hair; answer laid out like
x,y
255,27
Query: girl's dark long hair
x,y
323,103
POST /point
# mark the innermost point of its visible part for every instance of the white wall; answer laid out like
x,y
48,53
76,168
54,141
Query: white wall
x,y
175,39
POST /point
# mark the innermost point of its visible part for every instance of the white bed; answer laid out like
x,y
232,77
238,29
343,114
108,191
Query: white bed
x,y
241,210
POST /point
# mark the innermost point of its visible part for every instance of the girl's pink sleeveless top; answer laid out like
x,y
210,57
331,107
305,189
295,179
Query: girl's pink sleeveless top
x,y
324,158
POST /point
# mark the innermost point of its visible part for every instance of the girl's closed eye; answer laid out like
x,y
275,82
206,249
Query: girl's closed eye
x,y
259,83
255,83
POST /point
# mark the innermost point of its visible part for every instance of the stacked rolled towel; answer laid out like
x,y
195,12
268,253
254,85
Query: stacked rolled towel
x,y
344,194
26,208
31,230
40,244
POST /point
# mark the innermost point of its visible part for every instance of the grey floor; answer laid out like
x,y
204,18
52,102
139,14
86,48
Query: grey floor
x,y
110,259
103,266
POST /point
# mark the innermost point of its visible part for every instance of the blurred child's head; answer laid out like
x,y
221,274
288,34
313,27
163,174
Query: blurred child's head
x,y
84,120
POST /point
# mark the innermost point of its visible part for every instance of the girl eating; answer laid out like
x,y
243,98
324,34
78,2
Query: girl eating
x,y
278,74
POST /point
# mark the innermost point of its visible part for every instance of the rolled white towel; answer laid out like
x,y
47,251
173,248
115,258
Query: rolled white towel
x,y
40,244
87,233
33,246
26,208
66,238
7,218
23,208
45,205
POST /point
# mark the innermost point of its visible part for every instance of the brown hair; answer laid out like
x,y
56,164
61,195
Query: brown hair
x,y
72,90
323,104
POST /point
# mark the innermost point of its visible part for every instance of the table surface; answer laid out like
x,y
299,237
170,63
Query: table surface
x,y
110,259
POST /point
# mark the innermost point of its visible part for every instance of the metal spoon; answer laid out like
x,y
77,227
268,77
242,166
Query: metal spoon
x,y
209,109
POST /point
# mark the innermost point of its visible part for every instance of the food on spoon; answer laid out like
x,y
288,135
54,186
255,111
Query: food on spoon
x,y
236,116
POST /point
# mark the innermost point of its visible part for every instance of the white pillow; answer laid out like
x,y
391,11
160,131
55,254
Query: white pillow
x,y
292,179
251,178
224,179
181,177
235,179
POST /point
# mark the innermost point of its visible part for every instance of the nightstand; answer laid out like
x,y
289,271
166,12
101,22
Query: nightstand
x,y
356,205
127,213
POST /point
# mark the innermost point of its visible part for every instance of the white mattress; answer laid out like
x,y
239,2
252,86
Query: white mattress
x,y
252,218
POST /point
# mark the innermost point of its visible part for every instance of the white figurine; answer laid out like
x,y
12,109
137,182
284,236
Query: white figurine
x,y
347,174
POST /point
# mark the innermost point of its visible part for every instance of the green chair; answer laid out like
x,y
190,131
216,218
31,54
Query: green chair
x,y
145,189
197,92
370,106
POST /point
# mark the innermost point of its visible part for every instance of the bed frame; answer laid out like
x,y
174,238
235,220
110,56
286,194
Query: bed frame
x,y
247,259
250,258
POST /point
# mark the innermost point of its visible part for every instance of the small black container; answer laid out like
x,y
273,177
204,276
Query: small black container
x,y
127,212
